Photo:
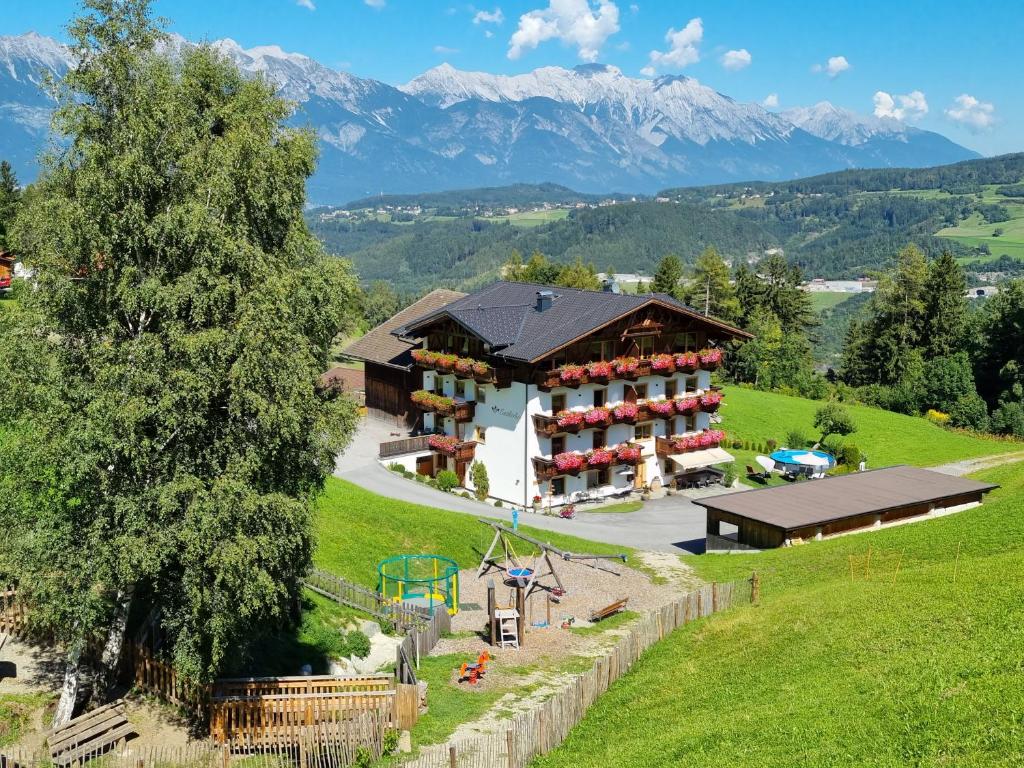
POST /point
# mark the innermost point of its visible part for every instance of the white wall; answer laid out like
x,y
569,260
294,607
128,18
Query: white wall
x,y
509,441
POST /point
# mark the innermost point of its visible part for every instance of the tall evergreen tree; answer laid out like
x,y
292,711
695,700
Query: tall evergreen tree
x,y
710,290
945,307
668,276
166,435
578,275
10,197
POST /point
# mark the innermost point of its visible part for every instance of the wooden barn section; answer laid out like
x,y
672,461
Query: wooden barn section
x,y
389,373
773,517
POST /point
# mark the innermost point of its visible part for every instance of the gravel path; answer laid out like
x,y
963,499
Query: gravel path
x,y
967,466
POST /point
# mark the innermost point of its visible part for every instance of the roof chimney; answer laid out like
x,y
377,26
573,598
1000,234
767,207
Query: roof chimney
x,y
544,300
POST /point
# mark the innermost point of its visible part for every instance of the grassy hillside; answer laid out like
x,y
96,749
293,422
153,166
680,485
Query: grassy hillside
x,y
356,529
886,437
916,660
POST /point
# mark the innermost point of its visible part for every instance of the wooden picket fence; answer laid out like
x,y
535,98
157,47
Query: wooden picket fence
x,y
150,674
419,642
401,615
339,744
539,730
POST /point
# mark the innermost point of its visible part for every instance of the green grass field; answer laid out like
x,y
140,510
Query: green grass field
x,y
532,218
973,232
356,529
826,299
887,438
914,661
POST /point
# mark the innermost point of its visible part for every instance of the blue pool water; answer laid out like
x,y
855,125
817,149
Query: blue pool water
x,y
788,456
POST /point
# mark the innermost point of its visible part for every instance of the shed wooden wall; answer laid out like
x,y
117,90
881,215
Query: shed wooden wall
x,y
388,390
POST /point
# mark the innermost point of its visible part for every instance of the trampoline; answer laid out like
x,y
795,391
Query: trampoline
x,y
427,581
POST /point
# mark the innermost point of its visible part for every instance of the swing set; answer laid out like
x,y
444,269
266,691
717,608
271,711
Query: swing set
x,y
529,574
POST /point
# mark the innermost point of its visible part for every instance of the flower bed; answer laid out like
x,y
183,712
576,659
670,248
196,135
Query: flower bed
x,y
569,463
710,401
687,405
663,364
625,413
597,417
663,408
627,454
599,458
710,359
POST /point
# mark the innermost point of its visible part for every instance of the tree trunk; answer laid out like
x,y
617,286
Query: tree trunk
x,y
69,691
107,678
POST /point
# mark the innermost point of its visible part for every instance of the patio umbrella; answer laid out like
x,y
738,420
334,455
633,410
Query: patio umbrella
x,y
766,464
813,459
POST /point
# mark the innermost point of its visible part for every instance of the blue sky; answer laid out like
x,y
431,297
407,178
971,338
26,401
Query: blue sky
x,y
952,68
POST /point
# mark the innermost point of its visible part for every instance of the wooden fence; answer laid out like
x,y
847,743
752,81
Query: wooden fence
x,y
405,445
418,642
148,673
12,613
401,615
340,744
538,731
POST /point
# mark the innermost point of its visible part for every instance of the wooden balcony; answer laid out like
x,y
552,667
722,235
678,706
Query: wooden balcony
x,y
464,451
544,468
500,377
403,446
461,410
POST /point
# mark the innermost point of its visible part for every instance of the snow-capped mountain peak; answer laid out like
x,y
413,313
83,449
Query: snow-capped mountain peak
x,y
827,121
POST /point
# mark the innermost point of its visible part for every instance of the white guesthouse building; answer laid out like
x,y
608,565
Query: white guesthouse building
x,y
557,390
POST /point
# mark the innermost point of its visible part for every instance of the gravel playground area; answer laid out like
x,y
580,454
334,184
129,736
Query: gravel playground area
x,y
586,589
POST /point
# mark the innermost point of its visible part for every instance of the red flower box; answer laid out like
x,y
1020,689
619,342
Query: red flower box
x,y
599,457
424,357
464,365
687,405
597,417
445,362
627,454
710,401
663,364
661,407
567,419
710,359
443,443
599,371
570,463
481,369
625,412
687,362
625,366
571,374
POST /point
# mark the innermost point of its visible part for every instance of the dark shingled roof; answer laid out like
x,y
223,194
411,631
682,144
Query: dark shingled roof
x,y
505,316
816,502
381,346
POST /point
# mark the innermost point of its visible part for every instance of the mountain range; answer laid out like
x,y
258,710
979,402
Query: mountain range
x,y
591,128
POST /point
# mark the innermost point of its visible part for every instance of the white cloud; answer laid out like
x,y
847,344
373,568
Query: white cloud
x,y
771,101
833,67
975,114
736,60
376,3
683,48
648,71
489,17
488,34
575,22
308,4
634,8
444,50
912,106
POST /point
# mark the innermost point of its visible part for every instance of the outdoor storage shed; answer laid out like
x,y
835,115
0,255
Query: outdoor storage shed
x,y
771,517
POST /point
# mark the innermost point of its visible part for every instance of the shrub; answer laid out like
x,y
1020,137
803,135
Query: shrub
x,y
421,478
850,455
833,445
407,474
770,445
481,483
730,475
466,495
938,418
499,503
795,438
394,466
390,742
737,444
355,643
969,412
446,480
834,419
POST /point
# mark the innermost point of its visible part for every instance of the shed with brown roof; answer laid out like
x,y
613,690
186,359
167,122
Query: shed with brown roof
x,y
389,374
813,509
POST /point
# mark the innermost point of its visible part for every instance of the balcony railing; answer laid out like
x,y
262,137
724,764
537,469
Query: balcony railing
x,y
697,441
460,450
461,410
463,367
572,375
573,463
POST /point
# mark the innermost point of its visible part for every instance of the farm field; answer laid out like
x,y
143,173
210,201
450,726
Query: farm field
x,y
914,660
827,299
887,438
975,232
532,218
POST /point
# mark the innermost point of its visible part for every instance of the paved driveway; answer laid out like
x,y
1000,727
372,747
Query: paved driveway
x,y
670,524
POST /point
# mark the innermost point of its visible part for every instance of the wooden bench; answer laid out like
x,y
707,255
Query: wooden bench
x,y
609,610
89,735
